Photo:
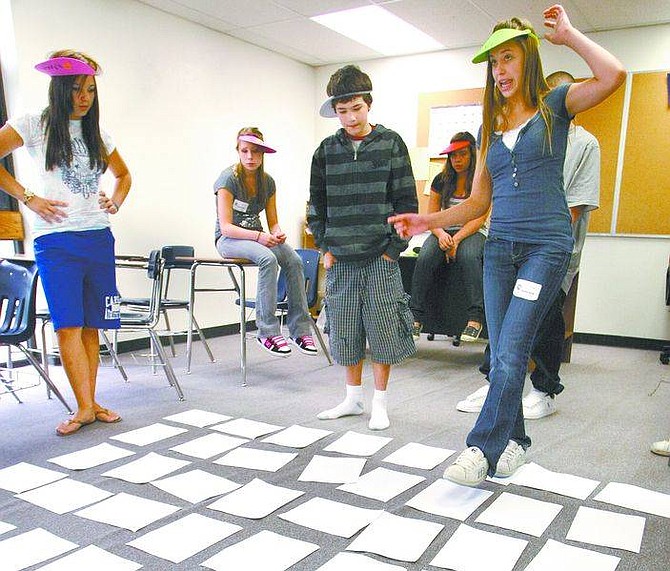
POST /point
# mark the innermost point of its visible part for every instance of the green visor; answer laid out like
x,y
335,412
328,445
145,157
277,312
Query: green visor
x,y
499,37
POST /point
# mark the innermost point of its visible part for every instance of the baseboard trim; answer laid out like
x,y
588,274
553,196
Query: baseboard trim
x,y
618,341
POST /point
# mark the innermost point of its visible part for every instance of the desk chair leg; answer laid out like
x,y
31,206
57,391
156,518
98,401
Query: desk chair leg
x,y
113,355
203,340
319,338
170,336
45,377
169,371
45,357
10,366
8,385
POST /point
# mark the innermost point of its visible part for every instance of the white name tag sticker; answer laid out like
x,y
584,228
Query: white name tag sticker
x,y
527,290
240,206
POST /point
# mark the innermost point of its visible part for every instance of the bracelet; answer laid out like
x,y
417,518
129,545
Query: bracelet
x,y
28,195
259,235
115,205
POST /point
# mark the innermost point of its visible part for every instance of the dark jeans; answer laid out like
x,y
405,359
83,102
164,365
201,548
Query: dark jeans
x,y
521,281
469,259
547,350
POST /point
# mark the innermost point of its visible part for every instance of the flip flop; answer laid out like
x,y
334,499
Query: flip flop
x,y
70,426
107,416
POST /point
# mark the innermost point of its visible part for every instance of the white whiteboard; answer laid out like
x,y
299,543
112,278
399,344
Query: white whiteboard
x,y
445,122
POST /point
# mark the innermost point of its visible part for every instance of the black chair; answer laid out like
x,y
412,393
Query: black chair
x,y
18,287
170,255
310,265
145,318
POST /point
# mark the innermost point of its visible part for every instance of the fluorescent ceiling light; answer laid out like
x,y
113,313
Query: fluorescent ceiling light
x,y
379,30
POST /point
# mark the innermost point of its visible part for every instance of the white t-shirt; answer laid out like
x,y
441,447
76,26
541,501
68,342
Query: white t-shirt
x,y
76,184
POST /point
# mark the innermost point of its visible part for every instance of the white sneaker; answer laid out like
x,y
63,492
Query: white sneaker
x,y
662,447
538,405
469,469
475,401
513,457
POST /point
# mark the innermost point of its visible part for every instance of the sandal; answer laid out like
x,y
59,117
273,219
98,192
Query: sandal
x,y
471,333
70,426
107,416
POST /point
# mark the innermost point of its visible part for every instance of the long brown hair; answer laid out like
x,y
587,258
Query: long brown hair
x,y
451,176
239,169
534,86
56,119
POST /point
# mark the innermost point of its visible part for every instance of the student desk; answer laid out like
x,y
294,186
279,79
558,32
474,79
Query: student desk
x,y
233,266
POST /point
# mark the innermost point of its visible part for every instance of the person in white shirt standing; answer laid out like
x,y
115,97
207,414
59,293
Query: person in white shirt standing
x,y
73,243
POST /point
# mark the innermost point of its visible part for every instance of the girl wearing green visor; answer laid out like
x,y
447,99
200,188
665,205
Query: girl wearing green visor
x,y
519,174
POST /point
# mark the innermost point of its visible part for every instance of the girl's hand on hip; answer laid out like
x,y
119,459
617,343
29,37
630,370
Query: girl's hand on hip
x,y
48,210
107,204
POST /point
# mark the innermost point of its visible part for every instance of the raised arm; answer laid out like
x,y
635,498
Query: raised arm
x,y
608,72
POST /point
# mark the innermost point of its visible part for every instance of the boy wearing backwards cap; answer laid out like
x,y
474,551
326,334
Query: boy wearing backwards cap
x,y
359,176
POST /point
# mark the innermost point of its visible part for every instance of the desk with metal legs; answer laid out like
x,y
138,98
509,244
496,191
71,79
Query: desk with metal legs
x,y
238,286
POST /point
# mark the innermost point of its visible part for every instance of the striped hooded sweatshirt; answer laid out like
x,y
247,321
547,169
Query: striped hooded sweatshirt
x,y
354,191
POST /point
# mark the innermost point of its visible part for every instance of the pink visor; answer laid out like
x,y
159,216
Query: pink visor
x,y
65,66
256,141
455,146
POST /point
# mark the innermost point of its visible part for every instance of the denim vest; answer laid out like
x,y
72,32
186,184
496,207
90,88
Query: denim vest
x,y
529,202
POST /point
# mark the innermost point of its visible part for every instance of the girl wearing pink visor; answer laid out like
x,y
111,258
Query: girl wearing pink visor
x,y
73,243
243,191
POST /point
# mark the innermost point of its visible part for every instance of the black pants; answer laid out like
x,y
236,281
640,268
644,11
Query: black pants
x,y
547,350
468,263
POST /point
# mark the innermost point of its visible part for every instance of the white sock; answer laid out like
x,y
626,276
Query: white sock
x,y
351,405
379,419
535,393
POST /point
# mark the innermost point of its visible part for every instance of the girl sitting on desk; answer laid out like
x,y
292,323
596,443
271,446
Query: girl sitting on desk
x,y
243,191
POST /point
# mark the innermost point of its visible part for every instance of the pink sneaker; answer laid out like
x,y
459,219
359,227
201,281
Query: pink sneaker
x,y
275,345
305,344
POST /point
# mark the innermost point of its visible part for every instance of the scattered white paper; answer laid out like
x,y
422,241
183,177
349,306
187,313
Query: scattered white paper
x,y
5,527
92,557
185,537
31,548
196,485
91,457
149,434
607,529
400,538
266,550
196,417
246,428
356,444
532,475
635,498
22,477
64,496
555,556
329,470
209,445
355,562
519,513
417,455
145,469
255,459
471,549
127,511
447,499
382,484
297,436
255,500
336,518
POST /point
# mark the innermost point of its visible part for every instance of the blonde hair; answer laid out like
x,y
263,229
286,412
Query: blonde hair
x,y
239,169
534,87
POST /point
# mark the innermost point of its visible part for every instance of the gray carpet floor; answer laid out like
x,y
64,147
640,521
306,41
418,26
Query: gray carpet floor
x,y
617,402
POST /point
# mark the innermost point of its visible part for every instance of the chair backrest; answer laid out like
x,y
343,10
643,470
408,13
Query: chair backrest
x,y
170,253
18,286
310,267
147,318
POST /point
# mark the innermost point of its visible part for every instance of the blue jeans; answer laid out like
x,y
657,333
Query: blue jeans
x,y
268,261
521,281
